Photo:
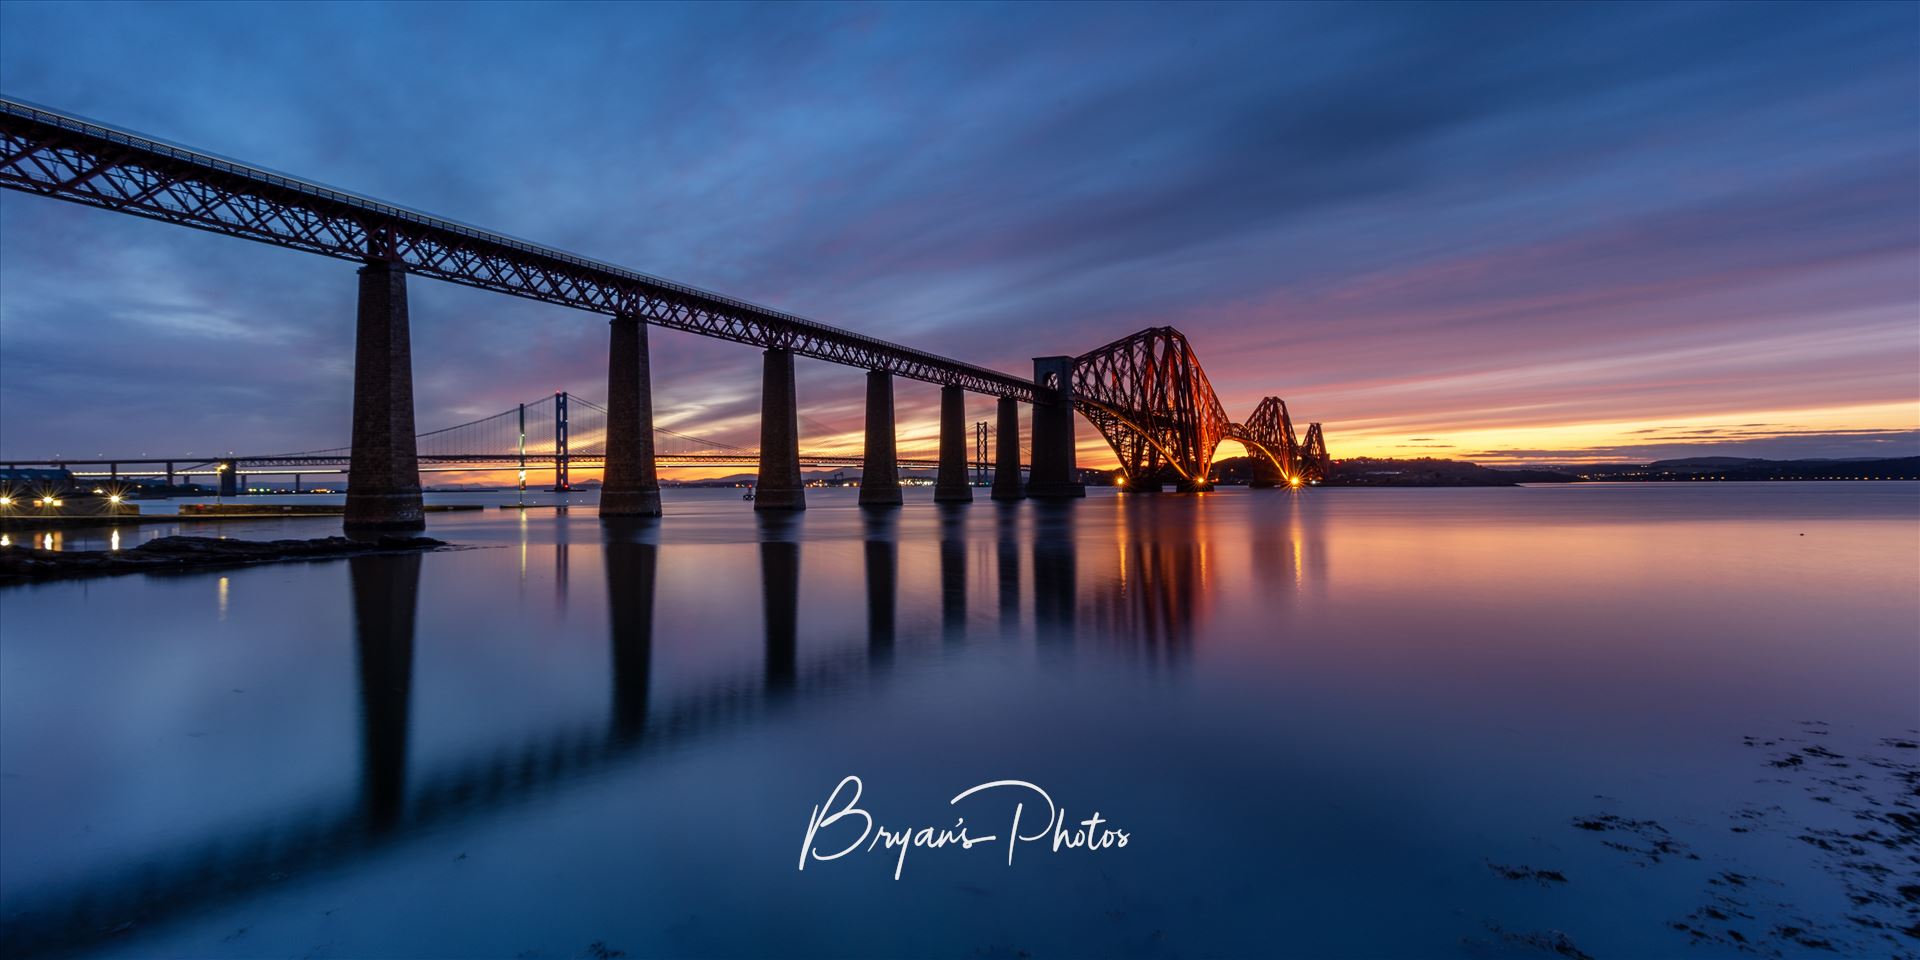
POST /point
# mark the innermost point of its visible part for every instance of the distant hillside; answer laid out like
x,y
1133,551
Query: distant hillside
x,y
1422,472
846,475
1716,462
1747,468
1433,472
806,476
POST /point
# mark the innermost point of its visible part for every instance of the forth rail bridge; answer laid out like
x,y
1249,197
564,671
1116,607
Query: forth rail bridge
x,y
1146,393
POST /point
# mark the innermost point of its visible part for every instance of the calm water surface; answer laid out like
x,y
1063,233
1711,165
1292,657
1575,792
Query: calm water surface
x,y
1360,723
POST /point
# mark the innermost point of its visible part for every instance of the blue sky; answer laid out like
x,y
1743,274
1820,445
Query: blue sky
x,y
1523,231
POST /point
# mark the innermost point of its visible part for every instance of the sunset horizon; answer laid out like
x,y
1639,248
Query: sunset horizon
x,y
1520,306
1308,480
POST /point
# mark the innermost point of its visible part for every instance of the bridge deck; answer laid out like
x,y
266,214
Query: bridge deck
x,y
53,154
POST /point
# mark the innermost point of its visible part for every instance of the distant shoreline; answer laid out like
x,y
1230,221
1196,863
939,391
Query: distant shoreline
x,y
1435,472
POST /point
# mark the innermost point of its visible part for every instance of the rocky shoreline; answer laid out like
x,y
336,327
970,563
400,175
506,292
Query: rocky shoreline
x,y
170,554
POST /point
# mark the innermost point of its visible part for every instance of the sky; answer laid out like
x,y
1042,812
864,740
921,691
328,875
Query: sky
x,y
1516,233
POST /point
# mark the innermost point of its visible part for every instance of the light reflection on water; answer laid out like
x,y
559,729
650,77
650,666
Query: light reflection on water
x,y
1321,717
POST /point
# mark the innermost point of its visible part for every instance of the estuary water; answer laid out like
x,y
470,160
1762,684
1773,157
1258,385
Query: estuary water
x,y
1577,720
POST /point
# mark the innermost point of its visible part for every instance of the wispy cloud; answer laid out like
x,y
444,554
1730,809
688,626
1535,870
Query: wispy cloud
x,y
1416,223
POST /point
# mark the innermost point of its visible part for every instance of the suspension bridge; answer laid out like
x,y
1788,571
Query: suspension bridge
x,y
558,433
551,435
1146,393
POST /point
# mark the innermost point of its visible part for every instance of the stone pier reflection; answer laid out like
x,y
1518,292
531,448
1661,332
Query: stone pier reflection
x,y
386,593
632,564
953,572
1007,555
1055,572
404,791
780,598
882,553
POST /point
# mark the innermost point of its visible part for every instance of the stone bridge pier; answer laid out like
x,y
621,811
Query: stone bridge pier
x,y
780,486
880,462
1053,475
383,482
951,484
1006,451
630,485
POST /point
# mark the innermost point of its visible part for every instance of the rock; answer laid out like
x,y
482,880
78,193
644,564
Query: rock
x,y
184,553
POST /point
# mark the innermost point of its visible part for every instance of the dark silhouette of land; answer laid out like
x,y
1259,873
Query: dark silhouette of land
x,y
179,554
1435,472
1750,468
1421,472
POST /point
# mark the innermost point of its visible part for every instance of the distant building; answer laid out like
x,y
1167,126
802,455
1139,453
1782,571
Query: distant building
x,y
35,478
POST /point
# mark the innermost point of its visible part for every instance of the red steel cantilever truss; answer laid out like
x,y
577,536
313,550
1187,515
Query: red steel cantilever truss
x,y
1268,435
1150,398
55,155
1313,454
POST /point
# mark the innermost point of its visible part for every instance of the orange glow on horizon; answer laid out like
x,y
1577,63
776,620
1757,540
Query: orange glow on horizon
x,y
1569,443
1597,442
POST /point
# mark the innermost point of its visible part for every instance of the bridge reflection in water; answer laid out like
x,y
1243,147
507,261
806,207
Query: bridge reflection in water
x,y
881,552
1136,589
632,564
386,593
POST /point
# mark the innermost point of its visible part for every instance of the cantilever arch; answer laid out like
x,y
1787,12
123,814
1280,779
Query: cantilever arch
x,y
950,485
780,487
383,481
1053,474
1006,451
630,487
880,462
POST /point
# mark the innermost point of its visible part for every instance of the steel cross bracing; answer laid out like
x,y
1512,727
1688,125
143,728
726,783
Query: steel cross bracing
x,y
1268,433
55,155
1313,454
1148,396
1151,400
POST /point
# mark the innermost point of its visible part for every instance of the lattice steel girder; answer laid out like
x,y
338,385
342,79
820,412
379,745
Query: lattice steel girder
x,y
1268,433
1150,398
1313,453
55,155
